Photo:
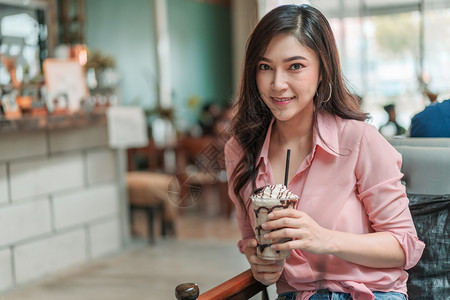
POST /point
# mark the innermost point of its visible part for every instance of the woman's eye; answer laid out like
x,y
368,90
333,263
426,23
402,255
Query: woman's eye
x,y
296,67
264,67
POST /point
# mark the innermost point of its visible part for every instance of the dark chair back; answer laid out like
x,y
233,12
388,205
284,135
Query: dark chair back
x,y
427,179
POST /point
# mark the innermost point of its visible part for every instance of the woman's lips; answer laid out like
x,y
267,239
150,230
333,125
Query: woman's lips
x,y
282,100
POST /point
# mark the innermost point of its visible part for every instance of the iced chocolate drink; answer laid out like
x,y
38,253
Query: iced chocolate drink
x,y
265,200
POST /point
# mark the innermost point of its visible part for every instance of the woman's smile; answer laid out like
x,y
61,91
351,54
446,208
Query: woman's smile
x,y
282,100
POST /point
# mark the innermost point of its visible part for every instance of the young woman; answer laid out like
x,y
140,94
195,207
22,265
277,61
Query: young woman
x,y
352,232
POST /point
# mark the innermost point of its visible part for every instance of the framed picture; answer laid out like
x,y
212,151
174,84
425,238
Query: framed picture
x,y
65,78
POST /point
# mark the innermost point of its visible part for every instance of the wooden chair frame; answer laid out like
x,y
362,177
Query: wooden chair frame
x,y
242,286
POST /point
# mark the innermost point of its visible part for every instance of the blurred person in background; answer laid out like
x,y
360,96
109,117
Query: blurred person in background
x,y
208,117
391,128
433,121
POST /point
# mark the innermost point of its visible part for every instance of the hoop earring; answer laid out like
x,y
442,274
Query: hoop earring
x,y
329,96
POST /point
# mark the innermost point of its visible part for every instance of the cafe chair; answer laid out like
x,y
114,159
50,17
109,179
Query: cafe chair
x,y
242,286
201,175
153,193
426,172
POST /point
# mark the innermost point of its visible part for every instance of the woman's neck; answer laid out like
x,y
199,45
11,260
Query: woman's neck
x,y
294,132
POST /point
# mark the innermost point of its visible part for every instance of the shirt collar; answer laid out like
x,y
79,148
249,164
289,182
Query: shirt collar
x,y
328,130
328,127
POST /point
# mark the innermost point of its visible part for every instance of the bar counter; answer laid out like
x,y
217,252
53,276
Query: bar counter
x,y
50,122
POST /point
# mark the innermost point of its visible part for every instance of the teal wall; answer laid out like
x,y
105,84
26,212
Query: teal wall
x,y
125,30
201,65
200,40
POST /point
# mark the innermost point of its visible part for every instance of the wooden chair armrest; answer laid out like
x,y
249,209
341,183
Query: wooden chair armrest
x,y
242,286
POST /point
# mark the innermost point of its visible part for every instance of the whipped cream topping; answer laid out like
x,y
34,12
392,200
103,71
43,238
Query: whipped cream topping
x,y
277,191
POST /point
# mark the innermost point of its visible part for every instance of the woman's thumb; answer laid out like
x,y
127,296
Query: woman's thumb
x,y
252,243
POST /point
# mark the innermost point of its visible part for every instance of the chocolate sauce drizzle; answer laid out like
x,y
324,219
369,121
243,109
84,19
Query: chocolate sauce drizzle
x,y
258,229
264,246
284,204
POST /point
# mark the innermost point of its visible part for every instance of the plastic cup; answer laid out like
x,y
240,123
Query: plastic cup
x,y
262,207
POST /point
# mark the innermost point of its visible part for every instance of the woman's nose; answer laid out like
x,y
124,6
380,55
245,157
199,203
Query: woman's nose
x,y
279,82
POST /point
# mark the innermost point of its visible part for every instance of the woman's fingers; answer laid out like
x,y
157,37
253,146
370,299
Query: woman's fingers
x,y
268,274
252,243
289,245
284,218
272,268
267,278
282,223
265,271
289,212
252,258
255,260
284,233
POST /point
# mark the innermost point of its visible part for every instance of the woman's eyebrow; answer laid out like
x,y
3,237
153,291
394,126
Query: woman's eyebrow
x,y
294,58
284,60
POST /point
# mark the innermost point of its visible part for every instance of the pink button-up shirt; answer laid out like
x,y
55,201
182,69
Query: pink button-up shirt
x,y
352,187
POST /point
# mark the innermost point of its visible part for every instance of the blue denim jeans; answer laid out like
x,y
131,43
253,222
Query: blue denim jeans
x,y
327,295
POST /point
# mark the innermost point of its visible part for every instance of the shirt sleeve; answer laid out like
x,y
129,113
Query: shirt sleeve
x,y
232,157
384,196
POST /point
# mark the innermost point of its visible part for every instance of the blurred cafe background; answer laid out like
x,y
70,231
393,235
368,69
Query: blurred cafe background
x,y
113,118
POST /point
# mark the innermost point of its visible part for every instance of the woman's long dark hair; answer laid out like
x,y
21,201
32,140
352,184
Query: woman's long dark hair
x,y
252,119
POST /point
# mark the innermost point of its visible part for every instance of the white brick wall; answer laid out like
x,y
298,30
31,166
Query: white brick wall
x,y
3,185
22,221
43,176
84,206
25,144
6,279
59,202
79,138
45,256
101,165
105,238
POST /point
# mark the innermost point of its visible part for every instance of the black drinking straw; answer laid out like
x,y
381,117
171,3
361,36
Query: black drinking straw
x,y
286,169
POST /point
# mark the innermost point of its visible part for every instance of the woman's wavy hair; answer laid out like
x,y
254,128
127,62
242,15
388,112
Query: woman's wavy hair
x,y
252,118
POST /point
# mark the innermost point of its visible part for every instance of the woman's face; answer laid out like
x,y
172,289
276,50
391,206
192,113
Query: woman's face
x,y
287,77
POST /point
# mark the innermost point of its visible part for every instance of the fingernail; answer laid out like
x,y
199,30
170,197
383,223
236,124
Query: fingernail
x,y
270,215
266,236
264,225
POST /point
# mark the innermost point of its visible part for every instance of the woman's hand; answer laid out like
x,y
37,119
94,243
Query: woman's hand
x,y
265,271
306,234
375,250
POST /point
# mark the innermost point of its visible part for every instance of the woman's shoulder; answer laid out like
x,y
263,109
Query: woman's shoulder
x,y
351,125
366,142
358,131
233,150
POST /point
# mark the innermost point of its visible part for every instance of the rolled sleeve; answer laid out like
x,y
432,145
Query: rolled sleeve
x,y
384,197
412,247
232,157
